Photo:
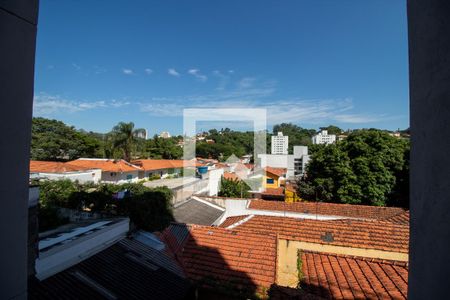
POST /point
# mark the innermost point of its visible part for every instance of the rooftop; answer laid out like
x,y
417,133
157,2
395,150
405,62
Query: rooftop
x,y
216,256
379,235
392,214
343,277
159,164
276,171
127,269
195,211
107,165
55,167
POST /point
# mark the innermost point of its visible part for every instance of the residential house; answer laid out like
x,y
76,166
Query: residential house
x,y
273,177
163,167
52,170
113,170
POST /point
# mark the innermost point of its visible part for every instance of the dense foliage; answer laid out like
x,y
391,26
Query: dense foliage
x,y
54,140
148,208
233,188
369,167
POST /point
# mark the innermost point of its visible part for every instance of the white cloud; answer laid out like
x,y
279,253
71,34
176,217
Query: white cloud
x,y
173,72
196,74
127,71
46,105
77,67
148,71
246,82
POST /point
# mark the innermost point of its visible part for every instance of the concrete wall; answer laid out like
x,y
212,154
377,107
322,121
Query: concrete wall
x,y
429,58
18,19
214,177
120,177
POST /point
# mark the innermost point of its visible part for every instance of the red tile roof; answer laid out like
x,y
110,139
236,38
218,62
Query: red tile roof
x,y
214,256
273,192
343,277
276,171
54,167
402,218
379,235
230,176
231,220
158,164
107,165
334,209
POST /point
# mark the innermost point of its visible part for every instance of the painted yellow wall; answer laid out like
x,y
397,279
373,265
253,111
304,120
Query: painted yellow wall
x,y
275,183
291,196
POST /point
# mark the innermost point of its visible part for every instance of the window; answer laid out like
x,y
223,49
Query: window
x,y
270,181
129,177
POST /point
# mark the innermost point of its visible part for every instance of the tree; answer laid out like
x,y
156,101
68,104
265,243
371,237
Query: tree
x,y
54,140
233,188
124,138
369,167
332,129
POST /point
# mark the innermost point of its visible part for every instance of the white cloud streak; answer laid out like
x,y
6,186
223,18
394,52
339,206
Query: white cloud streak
x,y
127,71
197,75
47,105
148,71
173,72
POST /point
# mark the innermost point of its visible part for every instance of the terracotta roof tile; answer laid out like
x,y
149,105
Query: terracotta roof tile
x,y
343,277
274,191
332,209
276,171
368,234
232,220
55,167
230,176
214,256
107,165
402,218
158,164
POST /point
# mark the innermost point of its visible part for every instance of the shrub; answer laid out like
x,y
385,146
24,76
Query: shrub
x,y
151,210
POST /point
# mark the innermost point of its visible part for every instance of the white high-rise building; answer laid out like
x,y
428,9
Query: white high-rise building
x,y
280,143
324,138
165,135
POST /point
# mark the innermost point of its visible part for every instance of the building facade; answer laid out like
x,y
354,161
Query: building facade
x,y
324,138
295,164
280,144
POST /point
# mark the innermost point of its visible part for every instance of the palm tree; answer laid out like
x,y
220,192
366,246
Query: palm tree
x,y
124,138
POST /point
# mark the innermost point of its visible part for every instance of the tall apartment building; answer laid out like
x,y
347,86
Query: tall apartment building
x,y
280,144
324,138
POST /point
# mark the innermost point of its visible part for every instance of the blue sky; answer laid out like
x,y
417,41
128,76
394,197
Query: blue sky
x,y
312,63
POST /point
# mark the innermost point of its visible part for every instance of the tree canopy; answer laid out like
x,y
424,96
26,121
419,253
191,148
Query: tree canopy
x,y
54,140
369,167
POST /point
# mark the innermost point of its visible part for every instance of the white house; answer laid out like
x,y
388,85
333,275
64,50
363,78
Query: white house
x,y
52,170
113,170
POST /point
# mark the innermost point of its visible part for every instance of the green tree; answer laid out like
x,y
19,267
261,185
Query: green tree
x,y
124,138
233,188
369,167
54,140
332,129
